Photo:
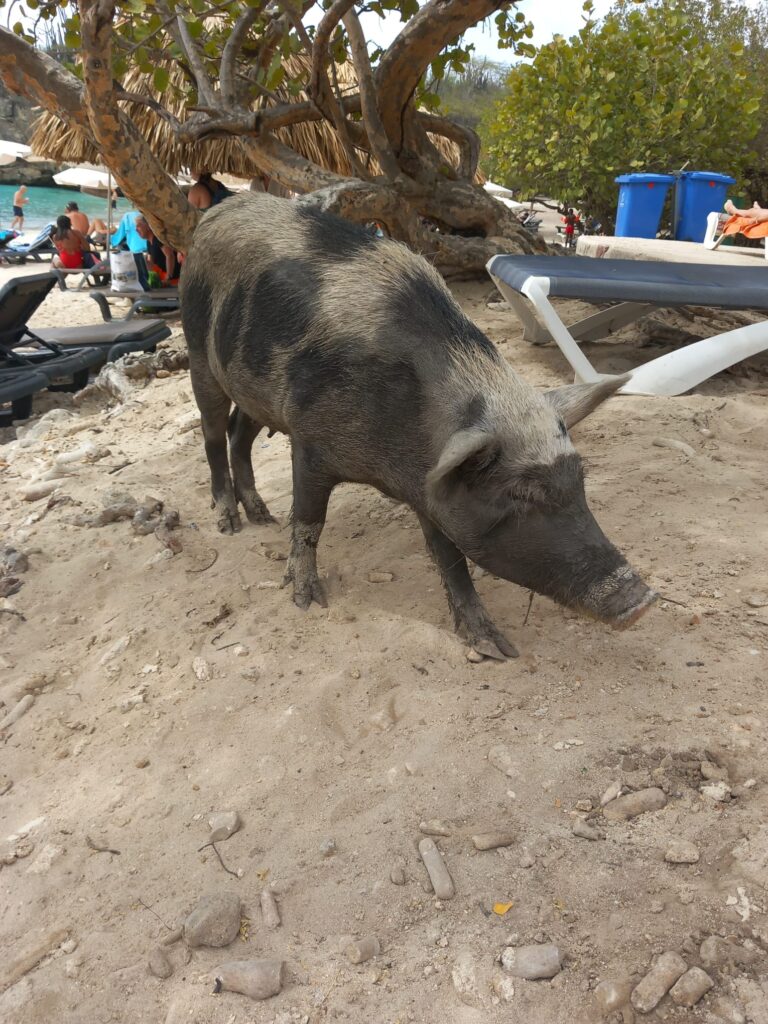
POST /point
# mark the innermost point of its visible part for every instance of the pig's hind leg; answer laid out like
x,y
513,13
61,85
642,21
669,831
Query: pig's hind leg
x,y
469,615
242,433
214,406
312,486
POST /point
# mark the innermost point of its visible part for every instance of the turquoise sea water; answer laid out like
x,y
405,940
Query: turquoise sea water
x,y
45,205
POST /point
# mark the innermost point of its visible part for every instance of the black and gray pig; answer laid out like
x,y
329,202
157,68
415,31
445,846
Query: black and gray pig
x,y
354,347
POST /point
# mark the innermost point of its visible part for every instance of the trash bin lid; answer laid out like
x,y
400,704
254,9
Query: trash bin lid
x,y
720,179
645,179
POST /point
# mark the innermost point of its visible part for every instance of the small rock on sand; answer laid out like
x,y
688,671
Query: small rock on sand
x,y
215,921
613,791
612,995
633,804
435,827
581,829
202,670
223,824
501,759
259,979
492,840
159,964
681,852
689,989
532,962
380,577
442,883
658,981
361,950
465,981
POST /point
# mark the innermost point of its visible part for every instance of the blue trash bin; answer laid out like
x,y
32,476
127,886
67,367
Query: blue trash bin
x,y
641,200
697,194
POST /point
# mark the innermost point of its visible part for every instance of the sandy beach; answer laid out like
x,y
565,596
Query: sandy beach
x,y
167,687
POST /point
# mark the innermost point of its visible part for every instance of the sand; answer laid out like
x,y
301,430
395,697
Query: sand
x,y
360,722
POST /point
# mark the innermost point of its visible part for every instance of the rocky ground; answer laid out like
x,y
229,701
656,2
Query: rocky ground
x,y
593,814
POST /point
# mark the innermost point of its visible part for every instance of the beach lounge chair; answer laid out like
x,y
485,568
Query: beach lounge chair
x,y
63,355
636,286
165,300
95,276
41,245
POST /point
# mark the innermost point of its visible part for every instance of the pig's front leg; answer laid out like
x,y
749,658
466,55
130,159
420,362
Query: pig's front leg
x,y
312,488
469,615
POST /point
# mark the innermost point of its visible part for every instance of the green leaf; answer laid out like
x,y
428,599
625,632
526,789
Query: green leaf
x,y
160,77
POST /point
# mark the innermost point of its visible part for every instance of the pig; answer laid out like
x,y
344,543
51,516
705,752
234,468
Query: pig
x,y
354,347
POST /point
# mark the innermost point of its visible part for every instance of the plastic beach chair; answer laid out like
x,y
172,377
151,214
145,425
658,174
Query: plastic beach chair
x,y
59,358
636,286
41,245
157,300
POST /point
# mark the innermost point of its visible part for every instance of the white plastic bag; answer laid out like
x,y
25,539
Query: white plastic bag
x,y
125,275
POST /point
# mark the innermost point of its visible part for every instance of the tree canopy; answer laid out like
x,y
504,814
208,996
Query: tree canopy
x,y
652,87
233,56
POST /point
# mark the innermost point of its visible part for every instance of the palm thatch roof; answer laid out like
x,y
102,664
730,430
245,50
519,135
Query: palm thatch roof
x,y
314,140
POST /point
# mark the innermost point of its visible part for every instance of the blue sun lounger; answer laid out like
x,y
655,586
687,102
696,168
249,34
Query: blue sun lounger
x,y
528,283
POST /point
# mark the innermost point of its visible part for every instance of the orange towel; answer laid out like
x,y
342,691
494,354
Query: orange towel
x,y
745,226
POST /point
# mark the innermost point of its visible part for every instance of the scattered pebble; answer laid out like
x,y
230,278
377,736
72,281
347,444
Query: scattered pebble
x,y
492,840
202,670
143,762
711,772
757,600
689,989
532,962
583,830
719,953
501,759
717,791
380,577
21,708
328,848
269,909
465,982
729,1011
527,860
658,981
435,827
474,656
681,852
215,921
442,883
159,964
633,804
68,946
397,875
223,824
259,979
44,859
584,805
671,442
361,950
613,791
612,995
503,987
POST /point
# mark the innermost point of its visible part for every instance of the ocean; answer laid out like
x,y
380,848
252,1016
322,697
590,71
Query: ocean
x,y
45,205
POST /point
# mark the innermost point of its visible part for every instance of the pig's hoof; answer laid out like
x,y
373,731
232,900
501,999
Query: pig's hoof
x,y
229,522
259,516
306,592
494,645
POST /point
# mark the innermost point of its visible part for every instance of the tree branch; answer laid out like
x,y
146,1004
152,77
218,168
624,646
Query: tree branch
x,y
377,137
430,30
232,49
29,72
147,101
205,87
465,138
323,33
123,149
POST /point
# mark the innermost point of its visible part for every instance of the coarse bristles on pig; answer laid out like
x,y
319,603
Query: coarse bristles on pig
x,y
355,347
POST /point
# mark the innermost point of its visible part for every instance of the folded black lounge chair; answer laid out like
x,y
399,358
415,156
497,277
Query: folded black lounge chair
x,y
64,355
156,300
636,286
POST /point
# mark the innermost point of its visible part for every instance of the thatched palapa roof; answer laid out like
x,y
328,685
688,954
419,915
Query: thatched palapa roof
x,y
315,140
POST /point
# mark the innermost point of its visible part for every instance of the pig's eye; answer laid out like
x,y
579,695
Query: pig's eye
x,y
562,429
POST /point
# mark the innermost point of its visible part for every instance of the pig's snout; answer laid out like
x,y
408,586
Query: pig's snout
x,y
620,598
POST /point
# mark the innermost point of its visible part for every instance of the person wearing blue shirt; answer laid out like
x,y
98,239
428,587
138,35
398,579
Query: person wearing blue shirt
x,y
127,233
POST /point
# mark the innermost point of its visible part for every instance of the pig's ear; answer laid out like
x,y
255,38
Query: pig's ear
x,y
467,454
576,401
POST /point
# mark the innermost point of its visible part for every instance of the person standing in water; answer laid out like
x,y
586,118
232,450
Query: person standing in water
x,y
19,202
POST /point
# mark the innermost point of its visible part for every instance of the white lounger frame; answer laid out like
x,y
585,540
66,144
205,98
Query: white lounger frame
x,y
671,374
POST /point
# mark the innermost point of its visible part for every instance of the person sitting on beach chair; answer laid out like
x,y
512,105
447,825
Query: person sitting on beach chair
x,y
161,258
74,248
752,223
